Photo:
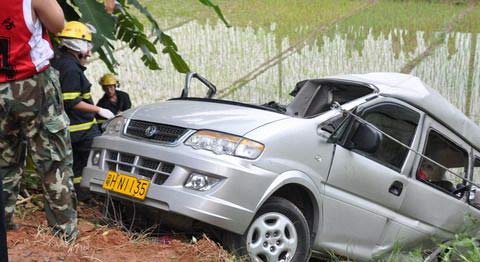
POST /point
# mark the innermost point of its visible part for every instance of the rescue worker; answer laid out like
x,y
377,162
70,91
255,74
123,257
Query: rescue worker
x,y
32,113
76,45
114,100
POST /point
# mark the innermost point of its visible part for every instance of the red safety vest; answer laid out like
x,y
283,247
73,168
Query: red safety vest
x,y
25,47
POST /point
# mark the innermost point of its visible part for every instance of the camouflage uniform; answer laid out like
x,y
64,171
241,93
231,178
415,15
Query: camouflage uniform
x,y
31,113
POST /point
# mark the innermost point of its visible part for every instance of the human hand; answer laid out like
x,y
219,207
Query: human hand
x,y
105,113
109,6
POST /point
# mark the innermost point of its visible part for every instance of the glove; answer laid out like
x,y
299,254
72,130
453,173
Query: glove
x,y
105,113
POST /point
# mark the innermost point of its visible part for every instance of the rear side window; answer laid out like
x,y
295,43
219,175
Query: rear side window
x,y
474,198
398,122
450,157
476,171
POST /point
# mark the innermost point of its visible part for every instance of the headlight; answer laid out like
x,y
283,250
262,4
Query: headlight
x,y
225,144
114,126
96,157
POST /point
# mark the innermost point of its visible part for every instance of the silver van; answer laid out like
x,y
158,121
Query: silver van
x,y
355,164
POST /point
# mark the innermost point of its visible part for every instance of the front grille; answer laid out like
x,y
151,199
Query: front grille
x,y
156,132
154,170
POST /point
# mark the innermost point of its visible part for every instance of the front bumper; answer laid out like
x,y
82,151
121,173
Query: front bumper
x,y
229,205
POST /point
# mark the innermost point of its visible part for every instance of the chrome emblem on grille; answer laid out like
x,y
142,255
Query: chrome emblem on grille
x,y
150,131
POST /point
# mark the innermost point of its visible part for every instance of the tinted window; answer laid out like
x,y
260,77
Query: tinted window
x,y
476,171
398,122
474,198
451,160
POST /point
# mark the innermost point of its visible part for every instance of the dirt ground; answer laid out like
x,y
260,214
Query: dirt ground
x,y
99,242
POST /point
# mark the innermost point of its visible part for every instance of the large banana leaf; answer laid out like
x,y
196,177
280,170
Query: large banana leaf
x,y
126,27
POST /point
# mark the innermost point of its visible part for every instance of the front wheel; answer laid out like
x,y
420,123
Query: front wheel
x,y
278,232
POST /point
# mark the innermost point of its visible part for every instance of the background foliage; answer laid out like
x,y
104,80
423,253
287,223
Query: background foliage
x,y
124,25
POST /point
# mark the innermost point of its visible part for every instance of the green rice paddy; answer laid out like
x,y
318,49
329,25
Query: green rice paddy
x,y
273,44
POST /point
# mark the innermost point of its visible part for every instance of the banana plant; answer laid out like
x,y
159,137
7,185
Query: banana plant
x,y
113,20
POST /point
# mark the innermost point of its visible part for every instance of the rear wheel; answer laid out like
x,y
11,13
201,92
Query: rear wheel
x,y
278,232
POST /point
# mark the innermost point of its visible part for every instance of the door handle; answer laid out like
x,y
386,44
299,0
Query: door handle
x,y
396,188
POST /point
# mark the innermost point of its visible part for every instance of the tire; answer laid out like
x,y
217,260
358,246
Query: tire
x,y
278,232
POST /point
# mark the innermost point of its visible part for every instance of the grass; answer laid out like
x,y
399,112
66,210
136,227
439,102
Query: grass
x,y
295,18
470,23
409,15
169,13
463,248
287,18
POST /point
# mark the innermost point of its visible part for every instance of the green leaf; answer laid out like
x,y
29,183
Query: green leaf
x,y
131,31
176,60
166,40
156,29
105,59
144,42
93,13
149,60
216,9
170,47
127,28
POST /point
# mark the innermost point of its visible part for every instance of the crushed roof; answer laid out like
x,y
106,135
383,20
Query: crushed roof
x,y
414,91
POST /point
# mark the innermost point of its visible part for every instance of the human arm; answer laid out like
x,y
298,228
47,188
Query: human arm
x,y
86,107
50,14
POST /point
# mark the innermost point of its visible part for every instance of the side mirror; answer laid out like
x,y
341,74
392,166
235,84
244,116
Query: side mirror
x,y
365,138
321,132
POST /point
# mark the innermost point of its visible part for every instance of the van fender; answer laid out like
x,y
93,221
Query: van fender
x,y
300,179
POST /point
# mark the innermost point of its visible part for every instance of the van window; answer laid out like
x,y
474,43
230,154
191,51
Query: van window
x,y
474,198
448,154
314,97
398,122
476,171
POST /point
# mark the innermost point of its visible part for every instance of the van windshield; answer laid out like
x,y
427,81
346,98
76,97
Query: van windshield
x,y
314,97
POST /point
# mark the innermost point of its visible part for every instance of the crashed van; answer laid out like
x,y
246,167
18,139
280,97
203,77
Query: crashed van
x,y
355,165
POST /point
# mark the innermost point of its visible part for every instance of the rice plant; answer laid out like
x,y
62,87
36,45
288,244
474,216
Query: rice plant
x,y
383,37
225,55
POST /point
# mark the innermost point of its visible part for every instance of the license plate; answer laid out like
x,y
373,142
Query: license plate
x,y
126,185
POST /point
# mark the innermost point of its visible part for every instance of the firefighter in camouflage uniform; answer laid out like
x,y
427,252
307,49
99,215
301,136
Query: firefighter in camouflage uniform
x,y
31,111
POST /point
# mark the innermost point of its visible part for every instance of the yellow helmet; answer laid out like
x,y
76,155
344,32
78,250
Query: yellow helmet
x,y
108,79
76,30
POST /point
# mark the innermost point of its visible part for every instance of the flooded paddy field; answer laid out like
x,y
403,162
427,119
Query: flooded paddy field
x,y
273,44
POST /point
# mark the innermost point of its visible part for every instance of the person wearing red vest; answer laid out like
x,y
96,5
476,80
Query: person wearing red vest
x,y
31,111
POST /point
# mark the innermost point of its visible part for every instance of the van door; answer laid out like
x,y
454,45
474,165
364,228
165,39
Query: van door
x,y
435,195
364,190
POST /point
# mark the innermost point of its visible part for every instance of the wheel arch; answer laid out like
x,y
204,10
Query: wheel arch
x,y
299,189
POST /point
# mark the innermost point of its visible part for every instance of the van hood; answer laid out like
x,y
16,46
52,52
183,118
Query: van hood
x,y
228,118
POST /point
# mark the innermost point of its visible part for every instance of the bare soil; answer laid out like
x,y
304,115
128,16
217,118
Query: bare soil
x,y
98,242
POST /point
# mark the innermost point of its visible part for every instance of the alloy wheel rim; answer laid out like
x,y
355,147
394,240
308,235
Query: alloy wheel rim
x,y
272,237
